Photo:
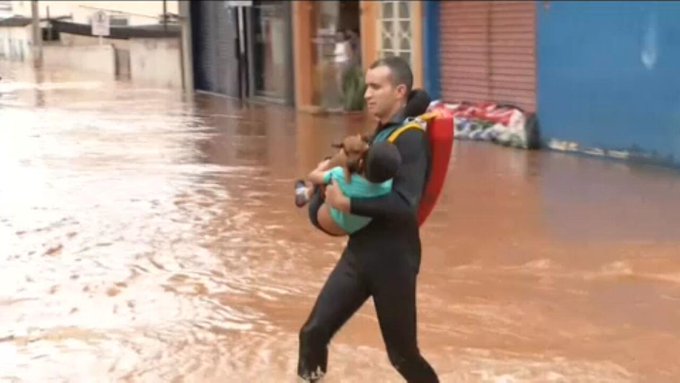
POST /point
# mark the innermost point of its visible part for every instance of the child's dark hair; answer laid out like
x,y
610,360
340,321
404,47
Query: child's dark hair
x,y
417,104
382,162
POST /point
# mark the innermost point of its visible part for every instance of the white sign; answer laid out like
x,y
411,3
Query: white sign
x,y
239,3
100,24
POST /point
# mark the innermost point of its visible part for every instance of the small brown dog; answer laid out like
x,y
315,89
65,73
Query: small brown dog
x,y
351,155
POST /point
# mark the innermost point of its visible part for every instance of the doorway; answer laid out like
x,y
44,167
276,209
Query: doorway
x,y
337,78
270,60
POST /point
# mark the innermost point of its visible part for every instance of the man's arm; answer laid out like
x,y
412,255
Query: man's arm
x,y
407,187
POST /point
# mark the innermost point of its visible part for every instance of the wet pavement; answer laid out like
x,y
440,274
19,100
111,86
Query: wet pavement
x,y
146,238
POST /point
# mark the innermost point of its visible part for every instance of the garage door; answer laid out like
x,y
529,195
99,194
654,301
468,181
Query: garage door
x,y
488,52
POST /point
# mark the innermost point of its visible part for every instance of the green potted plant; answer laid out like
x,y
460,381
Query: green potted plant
x,y
353,89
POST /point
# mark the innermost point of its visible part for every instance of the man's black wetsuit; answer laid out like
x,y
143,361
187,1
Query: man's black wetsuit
x,y
381,260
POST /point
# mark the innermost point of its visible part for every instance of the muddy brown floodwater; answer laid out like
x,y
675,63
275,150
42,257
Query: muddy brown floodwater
x,y
146,238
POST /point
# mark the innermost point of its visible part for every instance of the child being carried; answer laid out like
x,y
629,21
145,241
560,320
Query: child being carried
x,y
353,165
348,169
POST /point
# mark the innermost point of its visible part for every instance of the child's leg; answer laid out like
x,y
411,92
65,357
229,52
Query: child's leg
x,y
305,189
315,203
303,192
319,214
327,223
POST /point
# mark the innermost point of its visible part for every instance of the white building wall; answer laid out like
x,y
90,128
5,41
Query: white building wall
x,y
15,43
137,12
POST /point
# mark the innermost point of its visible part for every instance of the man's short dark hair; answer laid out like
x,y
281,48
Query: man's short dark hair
x,y
401,70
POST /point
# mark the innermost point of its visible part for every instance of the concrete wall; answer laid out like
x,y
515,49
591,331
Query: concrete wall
x,y
68,39
121,50
608,79
93,58
156,62
15,43
5,9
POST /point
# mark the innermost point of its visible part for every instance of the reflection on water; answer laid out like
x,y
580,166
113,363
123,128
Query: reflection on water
x,y
148,238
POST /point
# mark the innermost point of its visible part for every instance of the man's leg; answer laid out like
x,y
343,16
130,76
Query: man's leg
x,y
394,294
341,296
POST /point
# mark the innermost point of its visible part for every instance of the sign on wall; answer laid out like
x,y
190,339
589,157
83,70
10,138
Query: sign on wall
x,y
100,24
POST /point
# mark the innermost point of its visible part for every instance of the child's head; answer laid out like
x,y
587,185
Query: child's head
x,y
354,149
417,104
382,162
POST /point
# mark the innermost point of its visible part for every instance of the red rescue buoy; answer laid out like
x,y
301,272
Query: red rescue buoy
x,y
440,136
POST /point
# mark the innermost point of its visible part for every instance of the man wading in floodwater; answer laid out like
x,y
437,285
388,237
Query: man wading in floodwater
x,y
381,260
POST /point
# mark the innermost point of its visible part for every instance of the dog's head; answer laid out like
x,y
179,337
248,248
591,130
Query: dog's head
x,y
355,148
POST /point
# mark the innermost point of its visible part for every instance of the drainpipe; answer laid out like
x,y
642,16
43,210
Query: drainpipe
x,y
432,56
185,48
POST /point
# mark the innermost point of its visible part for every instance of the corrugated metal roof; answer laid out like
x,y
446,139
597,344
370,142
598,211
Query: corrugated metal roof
x,y
15,21
120,32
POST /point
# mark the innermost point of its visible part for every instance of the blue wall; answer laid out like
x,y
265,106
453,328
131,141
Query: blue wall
x,y
609,75
431,64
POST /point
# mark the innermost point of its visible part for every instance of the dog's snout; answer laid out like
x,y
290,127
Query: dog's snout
x,y
353,165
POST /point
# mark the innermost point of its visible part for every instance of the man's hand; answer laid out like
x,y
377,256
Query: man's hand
x,y
336,199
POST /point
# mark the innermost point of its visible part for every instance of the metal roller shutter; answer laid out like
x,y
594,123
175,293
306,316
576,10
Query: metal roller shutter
x,y
465,55
513,53
227,52
488,52
204,54
214,41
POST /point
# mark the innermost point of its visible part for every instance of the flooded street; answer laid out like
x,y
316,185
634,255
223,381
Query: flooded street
x,y
145,238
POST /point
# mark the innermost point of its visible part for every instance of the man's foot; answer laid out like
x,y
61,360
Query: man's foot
x,y
301,193
314,377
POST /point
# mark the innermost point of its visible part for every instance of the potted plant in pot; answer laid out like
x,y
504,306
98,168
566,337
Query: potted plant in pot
x,y
353,90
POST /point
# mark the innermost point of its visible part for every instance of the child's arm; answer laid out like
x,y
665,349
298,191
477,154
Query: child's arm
x,y
318,176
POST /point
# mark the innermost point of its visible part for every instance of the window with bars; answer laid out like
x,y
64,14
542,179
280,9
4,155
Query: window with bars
x,y
119,20
395,18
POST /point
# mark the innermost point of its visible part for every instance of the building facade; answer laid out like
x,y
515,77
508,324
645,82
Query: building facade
x,y
601,76
287,52
243,52
139,47
121,12
5,9
16,39
374,29
482,51
608,78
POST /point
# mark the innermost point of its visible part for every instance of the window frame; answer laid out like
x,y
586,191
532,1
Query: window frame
x,y
395,35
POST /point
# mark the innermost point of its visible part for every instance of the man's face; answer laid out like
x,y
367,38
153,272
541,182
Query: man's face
x,y
382,97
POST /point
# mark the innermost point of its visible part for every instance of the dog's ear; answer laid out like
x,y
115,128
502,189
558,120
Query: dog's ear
x,y
337,146
366,138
